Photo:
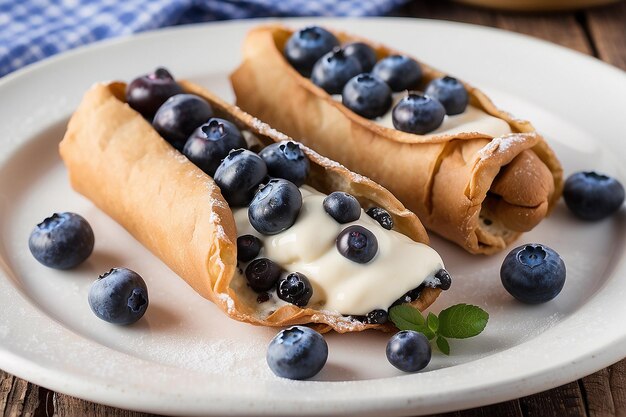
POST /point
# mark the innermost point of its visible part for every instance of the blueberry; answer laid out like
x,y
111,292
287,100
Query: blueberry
x,y
410,295
332,71
450,93
179,116
248,247
297,353
382,216
342,207
409,351
445,280
275,207
376,317
593,196
418,114
295,288
399,72
145,94
367,96
119,296
357,244
286,160
62,241
262,274
365,54
209,144
306,46
533,273
239,176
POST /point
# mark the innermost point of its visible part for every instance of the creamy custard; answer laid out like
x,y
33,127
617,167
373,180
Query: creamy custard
x,y
339,284
472,119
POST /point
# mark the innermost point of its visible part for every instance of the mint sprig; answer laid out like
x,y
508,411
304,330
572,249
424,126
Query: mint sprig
x,y
457,322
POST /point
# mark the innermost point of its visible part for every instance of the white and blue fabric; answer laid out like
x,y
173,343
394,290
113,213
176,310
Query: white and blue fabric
x,y
31,30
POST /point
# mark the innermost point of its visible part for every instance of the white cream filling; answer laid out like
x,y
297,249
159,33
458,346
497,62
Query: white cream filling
x,y
472,119
339,284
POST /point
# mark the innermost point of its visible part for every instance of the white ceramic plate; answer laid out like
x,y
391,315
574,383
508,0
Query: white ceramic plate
x,y
186,357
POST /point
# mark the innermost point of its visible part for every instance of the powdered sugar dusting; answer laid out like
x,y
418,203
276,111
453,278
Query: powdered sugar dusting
x,y
228,301
501,144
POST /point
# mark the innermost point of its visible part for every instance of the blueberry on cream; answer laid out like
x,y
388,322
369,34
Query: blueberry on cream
x,y
367,95
357,244
332,71
210,143
248,247
417,113
275,207
450,93
342,207
239,175
286,160
382,216
399,72
365,54
147,93
306,46
179,116
262,274
295,288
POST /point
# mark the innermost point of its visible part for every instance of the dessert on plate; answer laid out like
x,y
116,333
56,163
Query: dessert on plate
x,y
473,174
267,229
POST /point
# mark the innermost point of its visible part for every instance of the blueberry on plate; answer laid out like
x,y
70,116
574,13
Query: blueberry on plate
x,y
248,247
297,353
239,176
62,241
417,113
365,54
399,72
262,274
357,244
342,207
145,94
209,144
306,46
287,161
450,93
409,351
533,273
295,288
593,196
367,95
119,296
332,71
179,116
382,216
275,207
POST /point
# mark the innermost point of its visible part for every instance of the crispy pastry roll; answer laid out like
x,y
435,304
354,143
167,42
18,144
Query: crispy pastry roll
x,y
480,179
118,160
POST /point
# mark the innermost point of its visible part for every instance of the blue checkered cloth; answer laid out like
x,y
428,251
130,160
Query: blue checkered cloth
x,y
31,30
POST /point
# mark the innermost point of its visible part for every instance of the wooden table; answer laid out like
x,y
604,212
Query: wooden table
x,y
599,32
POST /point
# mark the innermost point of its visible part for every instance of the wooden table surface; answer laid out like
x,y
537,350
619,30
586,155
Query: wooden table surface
x,y
599,32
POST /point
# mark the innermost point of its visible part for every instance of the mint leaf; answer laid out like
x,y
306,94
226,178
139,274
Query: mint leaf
x,y
462,321
406,317
430,335
443,345
433,322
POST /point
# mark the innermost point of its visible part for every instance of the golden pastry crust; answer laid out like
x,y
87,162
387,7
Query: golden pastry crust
x,y
116,159
453,181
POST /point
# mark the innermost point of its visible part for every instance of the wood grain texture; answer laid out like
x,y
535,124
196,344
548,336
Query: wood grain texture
x,y
601,32
607,27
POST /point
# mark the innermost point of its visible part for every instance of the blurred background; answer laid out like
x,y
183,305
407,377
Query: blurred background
x,y
31,30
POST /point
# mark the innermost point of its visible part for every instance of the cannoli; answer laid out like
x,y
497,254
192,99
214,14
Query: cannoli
x,y
117,159
479,178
